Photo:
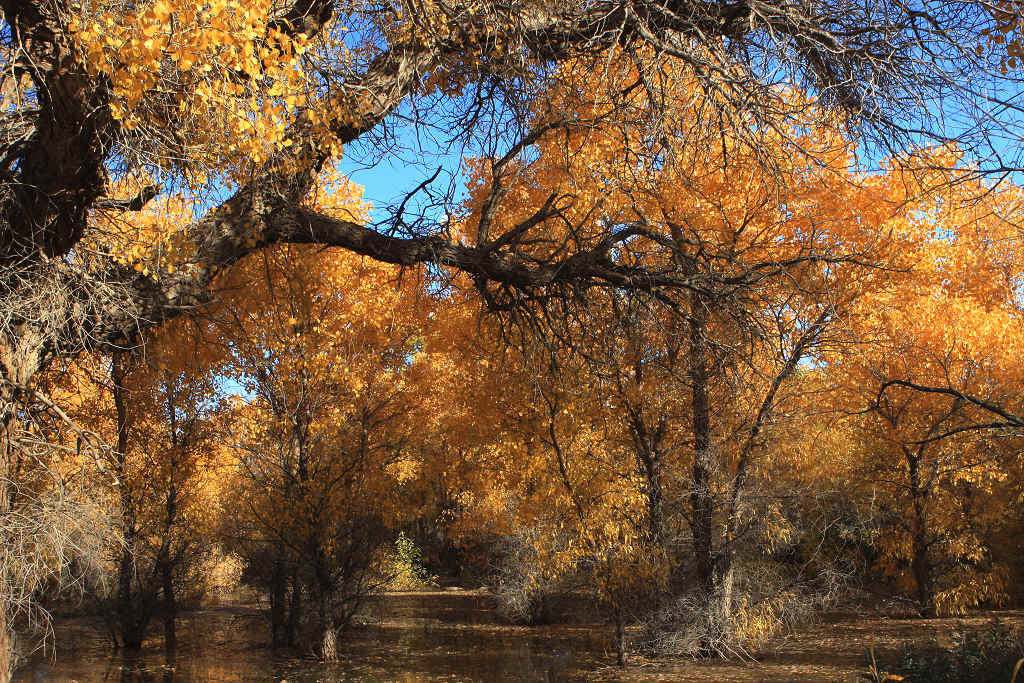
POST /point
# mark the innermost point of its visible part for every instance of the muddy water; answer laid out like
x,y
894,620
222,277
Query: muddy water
x,y
407,638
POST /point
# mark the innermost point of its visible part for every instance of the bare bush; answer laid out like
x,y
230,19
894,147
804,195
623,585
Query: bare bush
x,y
523,588
766,601
52,540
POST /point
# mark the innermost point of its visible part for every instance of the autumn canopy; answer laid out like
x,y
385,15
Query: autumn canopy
x,y
713,308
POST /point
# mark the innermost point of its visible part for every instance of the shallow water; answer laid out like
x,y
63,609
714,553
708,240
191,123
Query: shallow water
x,y
407,638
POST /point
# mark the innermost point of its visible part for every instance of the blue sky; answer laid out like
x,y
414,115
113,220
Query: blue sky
x,y
387,181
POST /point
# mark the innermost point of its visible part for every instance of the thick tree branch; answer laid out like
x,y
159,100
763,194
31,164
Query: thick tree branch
x,y
1010,420
136,203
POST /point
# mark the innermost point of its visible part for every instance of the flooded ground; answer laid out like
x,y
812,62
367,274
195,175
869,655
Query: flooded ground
x,y
407,638
457,636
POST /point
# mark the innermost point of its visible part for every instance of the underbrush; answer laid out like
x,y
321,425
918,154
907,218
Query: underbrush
x,y
986,655
525,594
764,603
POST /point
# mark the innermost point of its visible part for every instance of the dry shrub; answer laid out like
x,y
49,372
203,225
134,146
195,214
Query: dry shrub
x,y
766,602
54,542
525,591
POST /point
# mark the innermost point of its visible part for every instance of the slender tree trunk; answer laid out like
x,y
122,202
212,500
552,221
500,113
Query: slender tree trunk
x,y
647,447
724,580
294,608
277,602
170,606
922,569
7,649
701,498
655,498
920,562
714,573
620,638
19,363
132,611
179,448
129,607
8,425
8,429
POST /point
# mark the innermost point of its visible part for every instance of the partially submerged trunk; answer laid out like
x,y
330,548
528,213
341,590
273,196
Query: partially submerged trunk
x,y
620,638
170,605
133,609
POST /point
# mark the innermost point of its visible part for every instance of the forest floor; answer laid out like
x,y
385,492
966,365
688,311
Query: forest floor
x,y
456,635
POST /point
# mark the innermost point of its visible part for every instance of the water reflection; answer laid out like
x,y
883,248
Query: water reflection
x,y
409,638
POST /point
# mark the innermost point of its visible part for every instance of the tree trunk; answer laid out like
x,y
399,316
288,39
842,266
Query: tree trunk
x,y
277,603
620,638
329,640
19,363
920,562
132,610
294,608
721,596
714,569
647,445
170,607
655,498
922,569
8,659
8,425
701,498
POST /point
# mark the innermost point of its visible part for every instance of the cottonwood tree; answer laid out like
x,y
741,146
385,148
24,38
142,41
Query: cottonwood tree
x,y
779,240
327,350
158,411
932,383
245,104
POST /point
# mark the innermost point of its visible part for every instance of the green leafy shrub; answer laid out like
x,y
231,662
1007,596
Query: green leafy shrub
x,y
404,566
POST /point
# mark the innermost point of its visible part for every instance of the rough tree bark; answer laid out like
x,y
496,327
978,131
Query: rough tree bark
x,y
702,501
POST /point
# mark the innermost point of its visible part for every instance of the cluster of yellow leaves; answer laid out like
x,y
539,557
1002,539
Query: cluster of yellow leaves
x,y
150,241
327,348
208,83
